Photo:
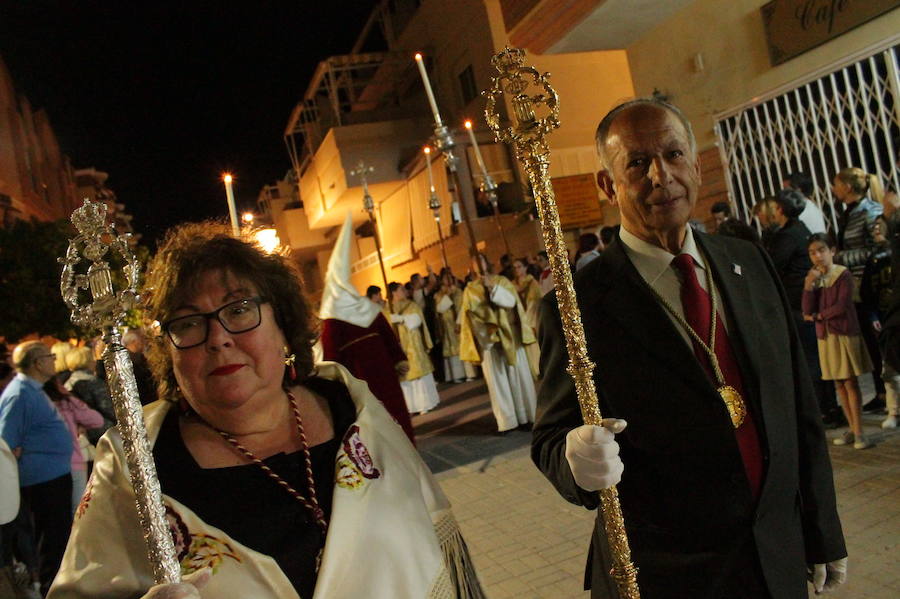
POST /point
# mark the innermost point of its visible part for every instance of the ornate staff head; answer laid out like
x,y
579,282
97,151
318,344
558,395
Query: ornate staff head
x,y
515,79
96,238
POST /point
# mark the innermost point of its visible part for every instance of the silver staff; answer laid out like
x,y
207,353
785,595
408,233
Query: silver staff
x,y
105,310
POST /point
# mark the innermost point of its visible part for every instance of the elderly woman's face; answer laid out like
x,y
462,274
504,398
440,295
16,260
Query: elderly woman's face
x,y
229,371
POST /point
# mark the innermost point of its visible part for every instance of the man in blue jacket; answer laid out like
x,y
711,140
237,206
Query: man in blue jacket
x,y
38,437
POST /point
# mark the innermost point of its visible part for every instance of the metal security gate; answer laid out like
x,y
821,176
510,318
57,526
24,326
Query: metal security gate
x,y
848,117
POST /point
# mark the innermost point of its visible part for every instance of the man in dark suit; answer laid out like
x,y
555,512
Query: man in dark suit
x,y
720,498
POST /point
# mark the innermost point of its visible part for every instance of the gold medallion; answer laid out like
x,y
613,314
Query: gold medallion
x,y
735,404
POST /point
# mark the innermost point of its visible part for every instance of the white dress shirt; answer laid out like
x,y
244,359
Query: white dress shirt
x,y
654,264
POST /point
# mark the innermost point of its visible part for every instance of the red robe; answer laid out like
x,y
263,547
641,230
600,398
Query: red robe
x,y
371,354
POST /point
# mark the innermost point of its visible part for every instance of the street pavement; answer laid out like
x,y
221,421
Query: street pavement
x,y
527,542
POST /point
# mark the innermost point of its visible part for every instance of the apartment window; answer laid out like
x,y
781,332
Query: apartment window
x,y
467,85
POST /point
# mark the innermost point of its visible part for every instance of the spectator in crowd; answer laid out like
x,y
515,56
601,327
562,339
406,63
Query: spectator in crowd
x,y
589,248
764,213
60,350
861,195
721,211
78,417
733,227
37,435
85,385
788,248
811,216
878,295
890,327
373,294
530,294
546,278
607,234
828,302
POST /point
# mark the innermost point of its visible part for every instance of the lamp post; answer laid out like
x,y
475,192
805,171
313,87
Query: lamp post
x,y
434,202
232,210
362,171
488,187
443,141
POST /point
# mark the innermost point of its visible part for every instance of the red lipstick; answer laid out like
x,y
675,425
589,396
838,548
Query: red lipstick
x,y
227,369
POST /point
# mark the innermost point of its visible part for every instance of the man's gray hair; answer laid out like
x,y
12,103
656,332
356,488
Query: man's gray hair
x,y
606,123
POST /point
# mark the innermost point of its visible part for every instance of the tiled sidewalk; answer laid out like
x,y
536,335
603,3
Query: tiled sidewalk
x,y
527,542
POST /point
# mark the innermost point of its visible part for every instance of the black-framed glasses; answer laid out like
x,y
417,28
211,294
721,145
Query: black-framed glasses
x,y
236,317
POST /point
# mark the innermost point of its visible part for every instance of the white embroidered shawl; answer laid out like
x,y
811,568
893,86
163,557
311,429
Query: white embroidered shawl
x,y
392,532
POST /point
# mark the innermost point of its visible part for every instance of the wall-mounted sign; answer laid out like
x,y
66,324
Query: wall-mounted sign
x,y
795,26
577,201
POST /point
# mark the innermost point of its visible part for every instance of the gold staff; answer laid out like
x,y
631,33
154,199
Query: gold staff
x,y
528,138
107,312
362,171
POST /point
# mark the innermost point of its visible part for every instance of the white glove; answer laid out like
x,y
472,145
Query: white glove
x,y
396,319
188,588
593,454
827,577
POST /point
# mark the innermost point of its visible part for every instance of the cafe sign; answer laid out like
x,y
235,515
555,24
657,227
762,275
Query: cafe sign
x,y
795,26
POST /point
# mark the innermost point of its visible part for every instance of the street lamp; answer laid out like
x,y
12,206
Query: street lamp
x,y
247,217
232,210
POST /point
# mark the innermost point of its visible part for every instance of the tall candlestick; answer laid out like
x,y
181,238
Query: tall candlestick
x,y
428,164
232,210
428,91
476,148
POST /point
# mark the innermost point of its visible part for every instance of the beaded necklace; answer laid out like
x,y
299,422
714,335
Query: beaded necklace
x,y
312,503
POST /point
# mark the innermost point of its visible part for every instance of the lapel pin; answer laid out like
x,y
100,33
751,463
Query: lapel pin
x,y
736,269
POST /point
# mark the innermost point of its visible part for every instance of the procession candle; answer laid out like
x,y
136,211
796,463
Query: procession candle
x,y
477,149
232,210
428,91
428,163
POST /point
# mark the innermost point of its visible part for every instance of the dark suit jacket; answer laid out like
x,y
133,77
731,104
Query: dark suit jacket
x,y
687,505
788,249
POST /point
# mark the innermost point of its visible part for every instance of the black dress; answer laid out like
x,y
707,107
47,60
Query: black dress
x,y
251,507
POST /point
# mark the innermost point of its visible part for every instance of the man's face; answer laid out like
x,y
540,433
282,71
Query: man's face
x,y
719,218
416,282
655,176
542,262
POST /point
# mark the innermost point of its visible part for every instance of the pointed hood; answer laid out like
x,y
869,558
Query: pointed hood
x,y
340,299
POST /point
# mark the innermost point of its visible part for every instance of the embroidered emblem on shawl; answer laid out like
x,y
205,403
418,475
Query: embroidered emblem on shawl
x,y
354,463
85,498
197,551
358,454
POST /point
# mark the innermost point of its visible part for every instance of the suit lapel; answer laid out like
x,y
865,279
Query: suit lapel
x,y
618,292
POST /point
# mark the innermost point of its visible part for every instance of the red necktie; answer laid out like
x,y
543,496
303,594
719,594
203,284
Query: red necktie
x,y
698,312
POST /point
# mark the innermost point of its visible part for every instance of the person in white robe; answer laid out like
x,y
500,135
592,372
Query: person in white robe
x,y
419,388
493,332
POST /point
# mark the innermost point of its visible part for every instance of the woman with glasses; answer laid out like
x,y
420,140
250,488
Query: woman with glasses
x,y
280,478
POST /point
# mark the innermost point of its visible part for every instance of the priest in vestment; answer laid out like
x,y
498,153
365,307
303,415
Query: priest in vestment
x,y
447,301
494,333
356,334
419,389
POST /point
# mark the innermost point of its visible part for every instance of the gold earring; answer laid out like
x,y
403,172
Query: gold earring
x,y
289,360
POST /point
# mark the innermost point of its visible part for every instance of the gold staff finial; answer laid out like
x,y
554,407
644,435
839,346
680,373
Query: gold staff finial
x,y
106,310
534,116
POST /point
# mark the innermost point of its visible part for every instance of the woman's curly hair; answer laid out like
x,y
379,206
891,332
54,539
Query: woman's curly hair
x,y
190,251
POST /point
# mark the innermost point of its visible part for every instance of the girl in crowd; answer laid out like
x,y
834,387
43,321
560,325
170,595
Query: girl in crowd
x,y
828,302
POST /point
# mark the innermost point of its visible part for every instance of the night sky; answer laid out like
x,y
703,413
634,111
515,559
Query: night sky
x,y
166,96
